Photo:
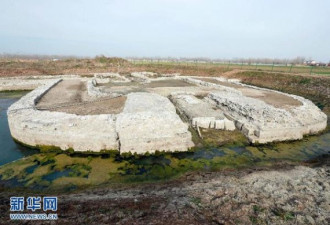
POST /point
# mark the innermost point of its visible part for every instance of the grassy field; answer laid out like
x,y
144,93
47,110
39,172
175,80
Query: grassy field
x,y
230,66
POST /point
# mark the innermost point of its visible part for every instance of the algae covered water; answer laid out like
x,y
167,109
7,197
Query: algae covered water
x,y
70,171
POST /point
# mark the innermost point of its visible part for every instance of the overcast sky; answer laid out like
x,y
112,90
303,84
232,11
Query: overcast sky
x,y
177,28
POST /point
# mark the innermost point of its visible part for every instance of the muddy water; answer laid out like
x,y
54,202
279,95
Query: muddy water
x,y
9,150
54,170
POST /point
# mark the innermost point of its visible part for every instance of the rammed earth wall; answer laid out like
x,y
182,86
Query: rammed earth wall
x,y
148,123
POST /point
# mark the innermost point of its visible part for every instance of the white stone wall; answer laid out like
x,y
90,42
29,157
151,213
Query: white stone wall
x,y
82,133
212,85
201,113
148,123
96,92
263,123
141,76
102,78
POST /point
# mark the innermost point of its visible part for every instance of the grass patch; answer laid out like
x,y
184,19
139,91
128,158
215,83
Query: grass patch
x,y
216,138
305,81
196,201
285,215
80,170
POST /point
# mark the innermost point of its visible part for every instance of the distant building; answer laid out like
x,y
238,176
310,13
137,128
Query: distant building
x,y
321,64
314,63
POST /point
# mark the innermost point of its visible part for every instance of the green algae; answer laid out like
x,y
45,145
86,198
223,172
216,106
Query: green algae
x,y
13,94
88,169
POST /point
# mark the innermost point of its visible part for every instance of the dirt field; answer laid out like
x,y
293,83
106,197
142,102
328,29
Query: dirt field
x,y
70,96
129,87
270,97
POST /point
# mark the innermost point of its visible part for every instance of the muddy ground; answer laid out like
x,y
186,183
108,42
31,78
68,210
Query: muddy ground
x,y
282,194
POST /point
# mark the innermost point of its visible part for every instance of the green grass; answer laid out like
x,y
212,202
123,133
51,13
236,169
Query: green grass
x,y
13,94
285,215
227,66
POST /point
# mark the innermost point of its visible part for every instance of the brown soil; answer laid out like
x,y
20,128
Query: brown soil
x,y
70,96
129,87
275,99
168,83
67,91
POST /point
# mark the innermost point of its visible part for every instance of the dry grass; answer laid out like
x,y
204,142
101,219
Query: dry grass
x,y
14,67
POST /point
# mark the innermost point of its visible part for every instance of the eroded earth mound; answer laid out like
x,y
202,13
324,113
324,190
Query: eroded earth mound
x,y
144,112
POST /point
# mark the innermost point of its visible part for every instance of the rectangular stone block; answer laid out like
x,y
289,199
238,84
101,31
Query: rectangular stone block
x,y
229,125
219,124
148,123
